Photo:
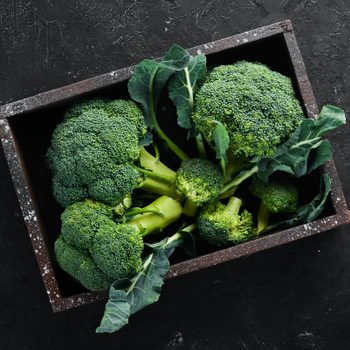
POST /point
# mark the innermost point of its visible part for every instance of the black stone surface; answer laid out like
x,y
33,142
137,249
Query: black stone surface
x,y
292,297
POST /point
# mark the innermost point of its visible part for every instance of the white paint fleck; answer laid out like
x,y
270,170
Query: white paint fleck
x,y
245,40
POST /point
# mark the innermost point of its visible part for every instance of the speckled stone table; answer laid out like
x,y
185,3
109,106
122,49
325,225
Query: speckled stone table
x,y
292,297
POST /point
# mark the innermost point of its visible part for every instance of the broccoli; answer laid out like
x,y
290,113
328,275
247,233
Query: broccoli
x,y
94,151
255,104
92,243
277,196
199,181
80,266
223,225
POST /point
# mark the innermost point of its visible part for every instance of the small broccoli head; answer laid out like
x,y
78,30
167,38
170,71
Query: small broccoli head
x,y
278,196
91,152
256,105
117,250
80,266
81,221
199,180
222,225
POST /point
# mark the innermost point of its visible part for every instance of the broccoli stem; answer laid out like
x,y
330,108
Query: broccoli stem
x,y
136,211
155,175
233,206
175,148
168,211
190,209
239,179
159,178
149,162
160,187
263,217
200,146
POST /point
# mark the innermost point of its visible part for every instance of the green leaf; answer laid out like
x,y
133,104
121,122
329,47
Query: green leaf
x,y
128,296
116,313
147,140
146,286
305,150
308,212
150,77
222,142
182,87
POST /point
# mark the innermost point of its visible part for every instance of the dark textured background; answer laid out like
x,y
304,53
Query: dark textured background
x,y
292,297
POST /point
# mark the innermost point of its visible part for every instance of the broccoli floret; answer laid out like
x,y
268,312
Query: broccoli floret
x,y
91,242
117,250
277,196
256,105
81,221
92,154
87,105
80,266
198,180
223,225
130,112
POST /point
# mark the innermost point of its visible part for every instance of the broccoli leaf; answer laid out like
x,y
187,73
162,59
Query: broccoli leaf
x,y
128,296
222,142
150,77
308,212
117,311
182,86
305,150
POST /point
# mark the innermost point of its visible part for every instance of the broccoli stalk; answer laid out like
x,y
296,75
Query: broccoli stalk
x,y
158,178
155,216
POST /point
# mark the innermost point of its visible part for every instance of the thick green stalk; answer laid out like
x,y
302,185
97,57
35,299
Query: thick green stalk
x,y
233,206
155,175
190,209
149,162
168,211
160,187
263,217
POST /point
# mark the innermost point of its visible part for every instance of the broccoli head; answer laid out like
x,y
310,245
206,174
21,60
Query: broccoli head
x,y
92,243
80,266
199,180
94,152
91,152
223,225
255,104
278,196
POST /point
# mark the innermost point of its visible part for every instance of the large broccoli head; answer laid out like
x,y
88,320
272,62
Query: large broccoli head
x,y
223,225
255,104
199,180
92,245
92,149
